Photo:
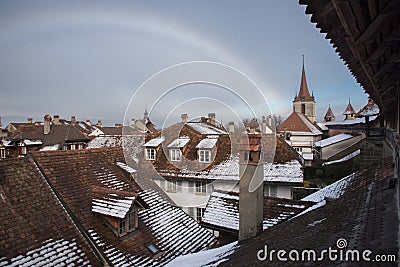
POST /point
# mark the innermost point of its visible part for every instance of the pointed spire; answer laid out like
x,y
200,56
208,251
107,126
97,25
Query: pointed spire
x,y
145,114
349,109
304,94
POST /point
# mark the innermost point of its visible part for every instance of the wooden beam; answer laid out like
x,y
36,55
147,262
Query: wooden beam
x,y
373,30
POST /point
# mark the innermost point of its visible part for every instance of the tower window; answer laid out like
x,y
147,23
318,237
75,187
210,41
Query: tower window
x,y
303,108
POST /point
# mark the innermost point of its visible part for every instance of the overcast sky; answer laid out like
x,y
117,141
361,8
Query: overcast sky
x,y
87,58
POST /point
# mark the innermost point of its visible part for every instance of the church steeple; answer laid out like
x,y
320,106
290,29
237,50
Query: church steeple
x,y
303,102
304,94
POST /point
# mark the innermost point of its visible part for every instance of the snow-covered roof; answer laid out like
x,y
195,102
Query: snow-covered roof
x,y
289,172
322,126
333,140
32,142
211,257
370,110
6,142
346,122
49,148
113,205
208,143
309,124
345,158
222,211
179,142
126,167
155,142
333,191
50,253
204,128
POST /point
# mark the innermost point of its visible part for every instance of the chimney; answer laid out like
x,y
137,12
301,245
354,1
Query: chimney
x,y
264,125
46,127
184,117
251,190
56,120
211,117
118,125
231,127
99,123
73,120
29,120
269,121
88,122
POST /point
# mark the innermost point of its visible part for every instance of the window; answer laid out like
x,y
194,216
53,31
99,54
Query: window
x,y
175,154
80,146
298,149
191,187
272,190
121,227
303,108
131,221
73,147
153,249
247,156
150,154
3,153
171,186
201,187
199,214
204,156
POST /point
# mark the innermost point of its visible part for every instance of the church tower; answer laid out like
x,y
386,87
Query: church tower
x,y
304,102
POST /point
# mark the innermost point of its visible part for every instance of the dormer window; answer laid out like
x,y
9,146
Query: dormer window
x,y
119,209
2,153
204,156
151,147
175,154
176,147
150,154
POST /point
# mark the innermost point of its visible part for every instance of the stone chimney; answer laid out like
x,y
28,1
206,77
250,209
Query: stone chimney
x,y
211,117
251,190
73,119
269,121
99,123
46,127
231,127
56,120
88,122
29,120
184,117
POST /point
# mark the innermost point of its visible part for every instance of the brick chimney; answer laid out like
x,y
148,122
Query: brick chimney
x,y
88,122
211,117
99,123
231,127
251,194
184,117
73,119
118,125
29,120
56,120
46,126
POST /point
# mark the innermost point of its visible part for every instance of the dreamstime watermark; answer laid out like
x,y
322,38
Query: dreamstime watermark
x,y
338,253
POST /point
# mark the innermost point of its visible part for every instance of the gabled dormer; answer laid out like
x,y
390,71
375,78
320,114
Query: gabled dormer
x,y
206,149
151,147
176,147
119,209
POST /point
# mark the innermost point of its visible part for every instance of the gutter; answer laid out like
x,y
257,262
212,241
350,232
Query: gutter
x,y
103,261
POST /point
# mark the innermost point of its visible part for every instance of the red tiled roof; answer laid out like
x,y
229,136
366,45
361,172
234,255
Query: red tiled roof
x,y
349,110
329,113
34,226
74,174
298,122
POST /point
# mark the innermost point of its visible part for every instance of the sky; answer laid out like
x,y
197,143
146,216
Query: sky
x,y
88,58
